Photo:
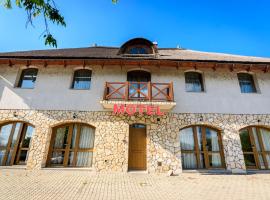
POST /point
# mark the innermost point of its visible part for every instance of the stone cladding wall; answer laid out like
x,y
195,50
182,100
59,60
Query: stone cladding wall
x,y
112,135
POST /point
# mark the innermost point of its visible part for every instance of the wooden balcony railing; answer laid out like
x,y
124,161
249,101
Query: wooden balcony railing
x,y
141,91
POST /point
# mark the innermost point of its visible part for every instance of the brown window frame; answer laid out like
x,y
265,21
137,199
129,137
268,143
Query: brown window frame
x,y
75,76
15,157
22,76
67,149
204,150
200,79
255,152
241,76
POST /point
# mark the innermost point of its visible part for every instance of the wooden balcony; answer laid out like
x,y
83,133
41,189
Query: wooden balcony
x,y
139,91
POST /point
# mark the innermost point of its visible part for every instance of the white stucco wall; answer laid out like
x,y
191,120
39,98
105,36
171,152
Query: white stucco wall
x,y
52,90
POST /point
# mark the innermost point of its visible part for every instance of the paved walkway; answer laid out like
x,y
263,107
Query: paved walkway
x,y
66,184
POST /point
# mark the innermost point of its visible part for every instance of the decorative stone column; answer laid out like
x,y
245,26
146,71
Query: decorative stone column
x,y
39,147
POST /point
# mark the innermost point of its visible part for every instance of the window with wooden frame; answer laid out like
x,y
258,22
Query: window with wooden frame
x,y
28,78
246,83
194,82
256,147
82,79
72,145
15,140
201,148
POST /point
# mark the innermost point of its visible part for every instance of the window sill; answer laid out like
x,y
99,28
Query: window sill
x,y
79,89
24,88
201,92
251,93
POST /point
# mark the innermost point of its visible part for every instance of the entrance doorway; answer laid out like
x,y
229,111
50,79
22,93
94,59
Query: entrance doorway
x,y
137,147
15,139
256,147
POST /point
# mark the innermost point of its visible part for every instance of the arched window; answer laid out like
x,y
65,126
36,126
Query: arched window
x,y
194,82
246,83
201,147
82,79
15,139
28,78
256,147
72,145
137,47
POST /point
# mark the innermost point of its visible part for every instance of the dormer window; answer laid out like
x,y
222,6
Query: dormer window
x,y
138,47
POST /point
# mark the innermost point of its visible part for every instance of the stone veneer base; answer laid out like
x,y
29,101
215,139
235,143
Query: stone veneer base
x,y
112,134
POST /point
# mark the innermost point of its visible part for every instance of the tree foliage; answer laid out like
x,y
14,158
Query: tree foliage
x,y
41,8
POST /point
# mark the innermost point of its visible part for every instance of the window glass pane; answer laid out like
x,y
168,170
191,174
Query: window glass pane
x,y
245,141
255,135
28,78
138,126
4,134
214,160
2,154
193,82
57,157
74,135
246,83
9,158
82,79
199,136
188,161
15,135
261,161
28,136
70,158
23,156
187,139
61,138
202,161
211,140
137,50
268,159
249,160
84,159
265,138
86,137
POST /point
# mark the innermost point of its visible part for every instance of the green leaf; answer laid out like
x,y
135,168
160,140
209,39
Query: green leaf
x,y
7,4
50,40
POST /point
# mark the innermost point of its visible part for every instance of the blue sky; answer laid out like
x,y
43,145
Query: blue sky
x,y
237,27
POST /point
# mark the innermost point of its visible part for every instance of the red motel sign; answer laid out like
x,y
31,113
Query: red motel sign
x,y
131,109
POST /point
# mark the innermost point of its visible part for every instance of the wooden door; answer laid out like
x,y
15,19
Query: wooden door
x,y
137,147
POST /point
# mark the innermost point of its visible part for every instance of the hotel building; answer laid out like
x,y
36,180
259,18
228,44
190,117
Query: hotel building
x,y
136,107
